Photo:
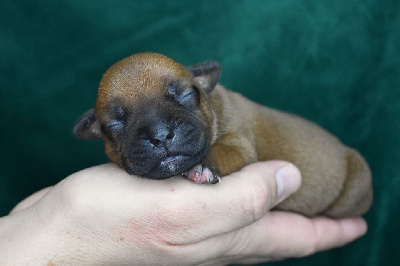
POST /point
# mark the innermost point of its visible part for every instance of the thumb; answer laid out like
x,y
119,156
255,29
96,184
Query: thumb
x,y
288,180
241,197
239,200
278,180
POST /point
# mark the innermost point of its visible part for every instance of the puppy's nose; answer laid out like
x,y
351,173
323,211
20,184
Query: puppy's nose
x,y
160,134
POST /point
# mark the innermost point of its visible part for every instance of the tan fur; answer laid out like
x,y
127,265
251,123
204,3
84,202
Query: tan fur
x,y
336,180
136,77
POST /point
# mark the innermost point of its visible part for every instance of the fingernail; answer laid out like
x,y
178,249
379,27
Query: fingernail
x,y
288,180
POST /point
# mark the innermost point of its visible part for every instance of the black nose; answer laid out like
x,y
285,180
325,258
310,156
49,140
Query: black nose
x,y
160,134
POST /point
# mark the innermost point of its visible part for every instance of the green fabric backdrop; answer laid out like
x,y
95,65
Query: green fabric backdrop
x,y
336,63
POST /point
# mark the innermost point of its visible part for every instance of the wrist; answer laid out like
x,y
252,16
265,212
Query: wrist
x,y
26,237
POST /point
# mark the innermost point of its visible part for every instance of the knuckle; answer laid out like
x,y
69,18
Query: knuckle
x,y
261,200
255,201
312,246
74,195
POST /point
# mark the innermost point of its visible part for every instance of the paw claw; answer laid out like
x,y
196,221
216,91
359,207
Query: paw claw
x,y
202,175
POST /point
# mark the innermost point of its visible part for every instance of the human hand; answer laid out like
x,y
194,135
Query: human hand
x,y
102,215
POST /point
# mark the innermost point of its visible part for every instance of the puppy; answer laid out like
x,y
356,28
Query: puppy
x,y
159,119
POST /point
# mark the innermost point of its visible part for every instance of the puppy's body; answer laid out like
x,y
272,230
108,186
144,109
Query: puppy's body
x,y
335,178
160,119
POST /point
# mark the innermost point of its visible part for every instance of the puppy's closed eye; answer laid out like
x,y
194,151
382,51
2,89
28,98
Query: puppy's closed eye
x,y
117,120
186,97
115,125
189,96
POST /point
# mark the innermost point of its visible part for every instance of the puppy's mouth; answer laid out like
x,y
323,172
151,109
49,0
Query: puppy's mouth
x,y
172,164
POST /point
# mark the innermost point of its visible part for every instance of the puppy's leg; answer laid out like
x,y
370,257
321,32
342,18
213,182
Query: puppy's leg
x,y
229,154
356,196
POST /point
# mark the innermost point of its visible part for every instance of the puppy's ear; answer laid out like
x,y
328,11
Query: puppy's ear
x,y
87,127
206,74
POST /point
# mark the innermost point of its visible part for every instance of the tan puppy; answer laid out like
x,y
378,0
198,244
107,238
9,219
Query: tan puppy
x,y
159,119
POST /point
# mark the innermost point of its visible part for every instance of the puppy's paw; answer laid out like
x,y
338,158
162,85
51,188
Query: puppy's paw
x,y
201,174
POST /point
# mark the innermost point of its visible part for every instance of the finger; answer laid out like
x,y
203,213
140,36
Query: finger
x,y
30,200
280,235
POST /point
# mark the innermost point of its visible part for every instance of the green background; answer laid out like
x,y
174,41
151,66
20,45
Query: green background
x,y
336,63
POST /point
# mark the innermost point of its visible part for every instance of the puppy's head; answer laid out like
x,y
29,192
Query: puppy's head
x,y
153,114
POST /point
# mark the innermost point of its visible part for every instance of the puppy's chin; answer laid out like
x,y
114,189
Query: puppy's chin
x,y
166,167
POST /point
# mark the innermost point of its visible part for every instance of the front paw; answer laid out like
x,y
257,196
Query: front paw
x,y
201,174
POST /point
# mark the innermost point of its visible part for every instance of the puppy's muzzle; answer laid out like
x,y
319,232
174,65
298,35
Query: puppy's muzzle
x,y
160,135
165,148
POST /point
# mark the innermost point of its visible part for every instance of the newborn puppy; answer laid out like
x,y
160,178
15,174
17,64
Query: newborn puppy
x,y
159,119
